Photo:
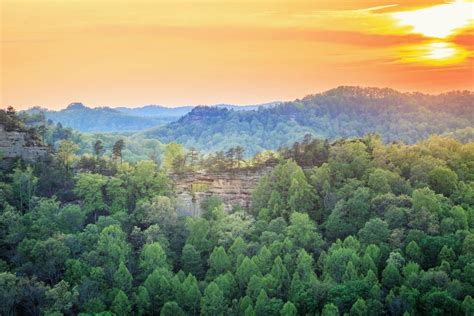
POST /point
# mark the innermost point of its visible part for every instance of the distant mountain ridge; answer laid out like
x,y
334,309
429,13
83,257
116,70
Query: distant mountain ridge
x,y
341,112
163,111
123,119
104,119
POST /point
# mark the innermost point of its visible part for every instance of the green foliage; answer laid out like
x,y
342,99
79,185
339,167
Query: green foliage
x,y
89,188
289,309
152,257
371,229
212,302
120,304
171,309
333,114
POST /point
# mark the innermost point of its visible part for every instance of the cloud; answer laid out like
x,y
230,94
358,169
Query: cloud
x,y
262,34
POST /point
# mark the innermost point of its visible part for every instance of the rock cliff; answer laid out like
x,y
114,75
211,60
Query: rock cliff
x,y
17,144
233,188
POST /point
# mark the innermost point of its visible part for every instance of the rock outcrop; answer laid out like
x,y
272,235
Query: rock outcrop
x,y
233,188
18,144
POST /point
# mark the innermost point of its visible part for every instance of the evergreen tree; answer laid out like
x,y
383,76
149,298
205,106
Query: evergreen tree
x,y
117,150
171,309
121,305
191,261
123,279
218,262
330,310
289,309
212,302
359,308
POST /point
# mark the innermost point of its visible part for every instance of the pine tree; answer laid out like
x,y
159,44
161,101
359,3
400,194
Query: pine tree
x,y
117,150
212,303
121,305
330,310
359,308
289,309
218,262
188,295
262,304
171,309
98,148
191,261
391,276
123,279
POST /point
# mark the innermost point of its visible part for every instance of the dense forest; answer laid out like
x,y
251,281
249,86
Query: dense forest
x,y
339,113
353,226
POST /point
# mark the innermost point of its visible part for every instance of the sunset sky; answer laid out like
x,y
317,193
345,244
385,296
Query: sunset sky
x,y
175,52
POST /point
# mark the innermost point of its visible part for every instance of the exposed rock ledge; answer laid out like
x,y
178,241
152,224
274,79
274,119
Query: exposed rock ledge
x,y
233,188
15,144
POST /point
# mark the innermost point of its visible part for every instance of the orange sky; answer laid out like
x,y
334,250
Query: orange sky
x,y
180,52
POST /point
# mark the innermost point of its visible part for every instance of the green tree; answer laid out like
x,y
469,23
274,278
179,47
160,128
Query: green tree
x,y
61,297
300,194
142,300
218,262
302,232
24,184
175,158
245,271
171,309
359,308
391,276
443,180
117,150
66,154
191,261
262,305
123,279
330,310
375,231
468,305
189,296
98,148
117,195
212,302
121,304
159,210
8,293
289,309
112,248
89,188
413,252
152,256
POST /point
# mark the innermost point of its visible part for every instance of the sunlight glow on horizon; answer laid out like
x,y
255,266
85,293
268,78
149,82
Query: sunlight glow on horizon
x,y
189,52
438,21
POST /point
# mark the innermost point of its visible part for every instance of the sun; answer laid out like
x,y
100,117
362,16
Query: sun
x,y
439,24
440,50
434,53
439,21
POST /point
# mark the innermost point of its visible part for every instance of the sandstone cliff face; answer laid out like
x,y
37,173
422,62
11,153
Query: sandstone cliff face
x,y
233,188
14,144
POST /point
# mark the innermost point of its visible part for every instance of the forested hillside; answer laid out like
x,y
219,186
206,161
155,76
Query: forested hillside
x,y
339,113
123,119
352,226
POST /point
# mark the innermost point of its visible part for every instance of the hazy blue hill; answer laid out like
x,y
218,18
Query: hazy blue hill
x,y
124,119
85,119
156,110
337,113
175,112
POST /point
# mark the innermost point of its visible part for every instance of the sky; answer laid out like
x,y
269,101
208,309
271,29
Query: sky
x,y
190,52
